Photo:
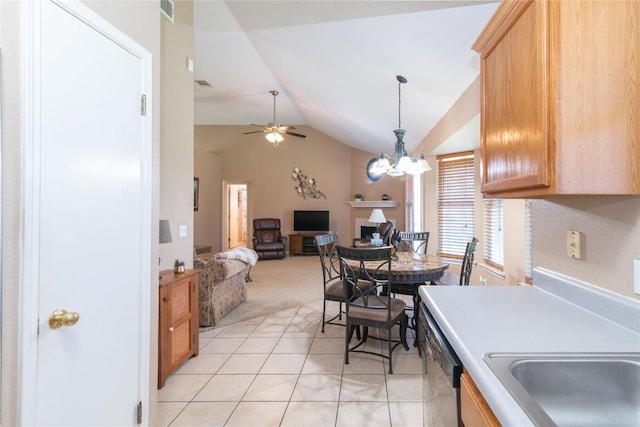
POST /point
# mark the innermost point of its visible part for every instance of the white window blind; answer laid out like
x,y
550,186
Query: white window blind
x,y
455,203
528,257
492,233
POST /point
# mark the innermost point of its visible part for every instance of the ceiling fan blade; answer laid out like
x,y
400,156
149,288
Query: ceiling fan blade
x,y
255,131
260,126
299,135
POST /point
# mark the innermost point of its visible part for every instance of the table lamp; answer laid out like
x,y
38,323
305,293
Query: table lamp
x,y
377,217
165,235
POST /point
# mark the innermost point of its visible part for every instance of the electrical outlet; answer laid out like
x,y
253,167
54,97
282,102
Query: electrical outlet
x,y
636,276
183,231
574,244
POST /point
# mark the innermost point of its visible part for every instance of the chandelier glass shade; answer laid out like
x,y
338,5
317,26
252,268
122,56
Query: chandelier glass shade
x,y
401,164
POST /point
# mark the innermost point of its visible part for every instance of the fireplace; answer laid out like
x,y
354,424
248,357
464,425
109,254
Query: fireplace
x,y
366,232
362,223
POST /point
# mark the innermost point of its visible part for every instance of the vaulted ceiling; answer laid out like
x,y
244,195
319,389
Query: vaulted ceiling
x,y
334,64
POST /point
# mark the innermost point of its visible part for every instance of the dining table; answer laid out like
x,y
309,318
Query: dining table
x,y
409,271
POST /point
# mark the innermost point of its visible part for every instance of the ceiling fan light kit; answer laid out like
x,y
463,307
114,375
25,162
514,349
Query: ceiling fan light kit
x,y
402,163
274,137
273,131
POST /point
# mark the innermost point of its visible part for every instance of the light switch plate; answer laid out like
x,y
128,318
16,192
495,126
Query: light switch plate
x,y
636,276
183,231
574,244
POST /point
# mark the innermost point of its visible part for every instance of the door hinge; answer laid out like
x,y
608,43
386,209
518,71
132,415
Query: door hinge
x,y
139,413
143,105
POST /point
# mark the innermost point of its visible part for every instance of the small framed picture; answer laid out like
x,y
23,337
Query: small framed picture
x,y
196,190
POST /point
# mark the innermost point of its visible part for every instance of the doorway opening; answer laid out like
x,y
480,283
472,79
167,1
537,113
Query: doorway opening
x,y
235,218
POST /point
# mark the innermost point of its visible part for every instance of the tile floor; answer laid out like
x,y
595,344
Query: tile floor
x,y
281,370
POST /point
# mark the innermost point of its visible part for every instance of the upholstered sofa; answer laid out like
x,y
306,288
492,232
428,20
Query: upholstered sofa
x,y
222,282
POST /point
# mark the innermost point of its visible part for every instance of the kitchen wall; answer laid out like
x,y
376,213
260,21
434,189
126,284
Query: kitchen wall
x,y
337,169
610,227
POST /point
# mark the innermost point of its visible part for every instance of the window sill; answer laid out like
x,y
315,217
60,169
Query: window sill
x,y
493,271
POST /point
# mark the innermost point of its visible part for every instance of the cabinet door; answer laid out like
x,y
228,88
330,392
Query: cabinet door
x,y
474,410
515,113
295,244
180,320
178,327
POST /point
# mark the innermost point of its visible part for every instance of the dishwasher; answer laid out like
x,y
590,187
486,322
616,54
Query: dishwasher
x,y
441,371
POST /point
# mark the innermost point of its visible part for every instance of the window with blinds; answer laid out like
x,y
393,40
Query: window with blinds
x,y
455,203
528,257
492,233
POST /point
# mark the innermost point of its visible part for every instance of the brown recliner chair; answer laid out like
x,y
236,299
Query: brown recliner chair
x,y
268,242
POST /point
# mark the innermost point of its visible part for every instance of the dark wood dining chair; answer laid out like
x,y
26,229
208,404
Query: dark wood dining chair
x,y
465,269
370,308
415,242
467,262
333,289
386,229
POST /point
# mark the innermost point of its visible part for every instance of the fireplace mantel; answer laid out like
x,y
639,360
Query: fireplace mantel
x,y
374,204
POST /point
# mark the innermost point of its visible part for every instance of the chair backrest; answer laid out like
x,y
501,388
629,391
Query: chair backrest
x,y
385,232
415,242
372,265
326,244
267,230
467,262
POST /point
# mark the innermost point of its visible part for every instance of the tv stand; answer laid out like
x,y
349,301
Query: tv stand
x,y
303,243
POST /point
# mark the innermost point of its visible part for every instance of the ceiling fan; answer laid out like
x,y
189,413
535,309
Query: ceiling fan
x,y
273,131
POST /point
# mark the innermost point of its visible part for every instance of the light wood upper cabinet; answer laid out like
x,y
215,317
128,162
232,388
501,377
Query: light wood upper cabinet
x,y
560,109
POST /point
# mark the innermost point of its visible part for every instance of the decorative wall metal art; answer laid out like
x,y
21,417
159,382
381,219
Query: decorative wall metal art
x,y
306,187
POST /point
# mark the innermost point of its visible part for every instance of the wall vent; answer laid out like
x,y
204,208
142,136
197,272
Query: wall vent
x,y
166,6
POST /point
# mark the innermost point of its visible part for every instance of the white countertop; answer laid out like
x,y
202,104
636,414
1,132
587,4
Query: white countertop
x,y
478,320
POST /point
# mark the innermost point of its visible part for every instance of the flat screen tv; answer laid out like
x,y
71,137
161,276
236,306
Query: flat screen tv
x,y
310,221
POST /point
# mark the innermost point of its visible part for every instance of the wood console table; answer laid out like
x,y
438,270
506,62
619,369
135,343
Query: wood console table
x,y
178,331
303,244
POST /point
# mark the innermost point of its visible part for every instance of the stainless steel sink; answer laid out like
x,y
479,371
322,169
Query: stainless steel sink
x,y
572,389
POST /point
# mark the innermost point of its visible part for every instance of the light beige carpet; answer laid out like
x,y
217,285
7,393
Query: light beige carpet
x,y
279,284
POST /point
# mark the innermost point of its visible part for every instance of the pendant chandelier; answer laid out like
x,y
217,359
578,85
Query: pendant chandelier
x,y
401,164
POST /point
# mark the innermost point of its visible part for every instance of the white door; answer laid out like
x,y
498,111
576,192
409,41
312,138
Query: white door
x,y
235,216
88,222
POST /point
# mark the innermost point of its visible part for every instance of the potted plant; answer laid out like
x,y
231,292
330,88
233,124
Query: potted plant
x,y
178,267
357,197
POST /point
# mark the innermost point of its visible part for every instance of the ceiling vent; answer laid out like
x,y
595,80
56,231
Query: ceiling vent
x,y
166,6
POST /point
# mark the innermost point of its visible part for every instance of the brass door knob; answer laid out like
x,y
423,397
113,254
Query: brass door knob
x,y
62,317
